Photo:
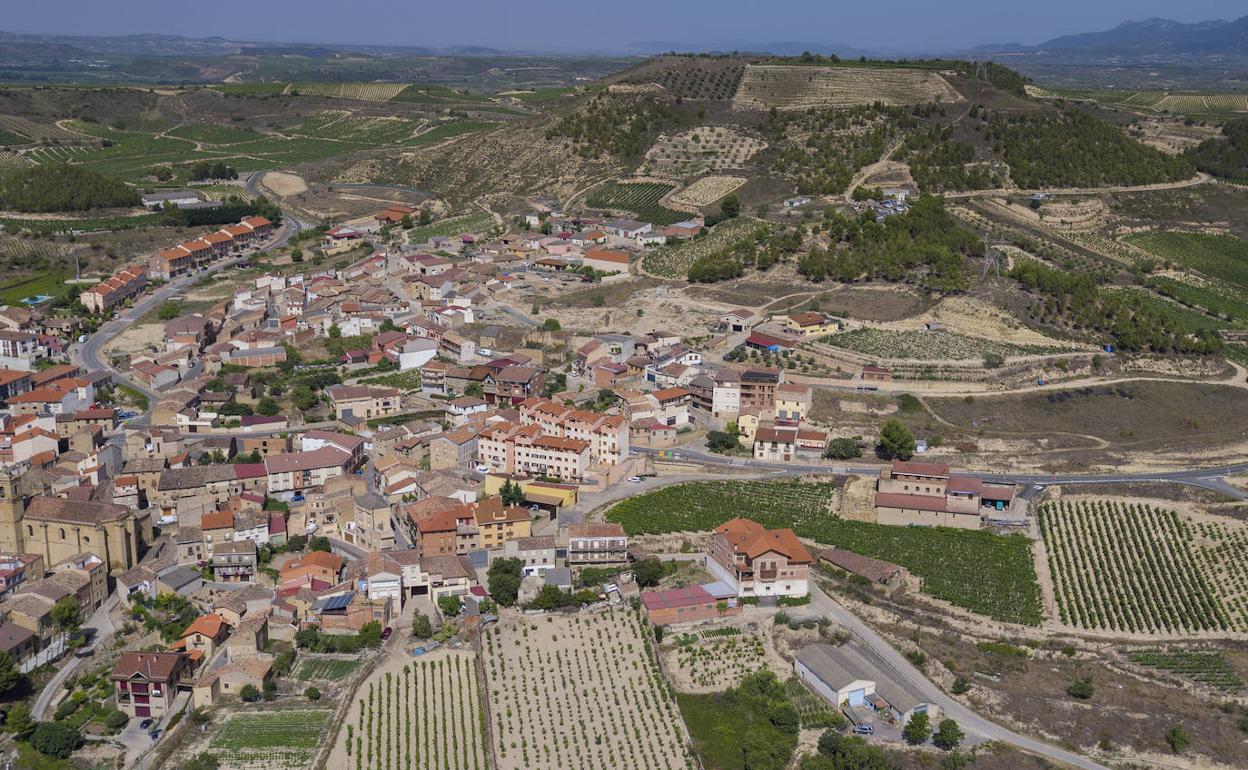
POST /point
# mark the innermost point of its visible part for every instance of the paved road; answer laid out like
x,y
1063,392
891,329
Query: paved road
x,y
1208,478
102,624
903,670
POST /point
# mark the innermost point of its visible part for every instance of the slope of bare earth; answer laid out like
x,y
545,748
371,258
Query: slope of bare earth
x,y
790,87
516,158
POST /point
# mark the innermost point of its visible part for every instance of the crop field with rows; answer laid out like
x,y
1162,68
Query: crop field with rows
x,y
797,87
811,707
707,190
1188,103
1222,551
927,346
580,692
1227,305
1206,667
12,161
325,668
701,149
673,260
639,198
37,132
369,92
689,80
426,716
714,662
451,227
345,127
1219,257
8,139
209,133
270,740
1128,567
432,94
219,192
68,153
983,572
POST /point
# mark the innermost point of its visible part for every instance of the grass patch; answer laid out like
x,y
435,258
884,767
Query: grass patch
x,y
730,730
983,572
274,738
51,284
92,225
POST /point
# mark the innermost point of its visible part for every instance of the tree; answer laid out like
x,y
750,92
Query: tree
x,y
1178,738
896,440
18,721
116,720
312,694
842,449
722,442
303,398
11,676
449,605
249,693
268,407
1081,688
918,729
320,544
65,614
474,389
169,311
421,627
961,686
648,572
56,739
503,579
948,735
334,332
551,325
730,206
370,634
511,493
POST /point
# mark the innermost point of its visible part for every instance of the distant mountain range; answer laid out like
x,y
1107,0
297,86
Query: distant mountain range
x,y
1145,39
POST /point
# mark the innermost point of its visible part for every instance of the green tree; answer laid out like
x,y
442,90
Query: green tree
x,y
1178,739
303,398
370,634
116,720
918,729
11,676
334,332
474,389
169,311
56,739
511,493
1081,688
268,407
842,449
993,360
66,615
320,543
503,578
312,694
18,721
648,572
449,605
730,206
948,735
421,627
551,325
249,693
896,440
961,686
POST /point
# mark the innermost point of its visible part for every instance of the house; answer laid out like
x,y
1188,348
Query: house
x,y
672,406
626,228
757,561
774,444
364,401
872,373
177,198
596,544
606,260
915,493
234,562
19,643
18,350
739,320
347,613
205,634
852,679
796,202
296,472
537,553
692,604
810,324
770,342
146,683
792,403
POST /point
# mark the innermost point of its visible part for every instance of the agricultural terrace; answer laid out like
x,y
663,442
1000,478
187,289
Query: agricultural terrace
x,y
927,346
673,260
638,198
1205,667
37,132
369,92
347,127
475,224
1178,104
712,659
418,714
1130,567
798,87
213,133
1221,261
270,740
707,190
325,669
983,572
701,149
12,161
580,692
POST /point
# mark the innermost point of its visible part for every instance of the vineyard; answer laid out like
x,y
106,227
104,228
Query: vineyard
x,y
331,669
345,127
270,740
219,192
1203,666
580,692
707,190
673,260
794,87
927,346
638,198
12,161
211,133
714,661
1129,568
37,132
425,716
1191,103
701,149
1219,257
369,92
476,224
983,572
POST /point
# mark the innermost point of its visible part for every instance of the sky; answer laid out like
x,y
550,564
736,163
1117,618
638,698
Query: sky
x,y
599,25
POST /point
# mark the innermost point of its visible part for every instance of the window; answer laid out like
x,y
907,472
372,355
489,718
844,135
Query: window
x,y
62,533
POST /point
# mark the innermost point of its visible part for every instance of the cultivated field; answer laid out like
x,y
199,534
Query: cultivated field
x,y
369,92
707,190
638,198
1130,567
712,660
927,346
1206,667
580,692
419,715
331,669
673,261
796,87
474,224
983,572
12,161
270,740
701,149
37,132
1189,103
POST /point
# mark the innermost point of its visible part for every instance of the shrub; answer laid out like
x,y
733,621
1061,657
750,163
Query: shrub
x,y
116,720
312,694
918,729
421,627
1178,738
56,739
249,693
948,735
961,686
1081,688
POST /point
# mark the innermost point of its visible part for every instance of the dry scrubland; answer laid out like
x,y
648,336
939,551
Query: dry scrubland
x,y
416,714
580,692
795,87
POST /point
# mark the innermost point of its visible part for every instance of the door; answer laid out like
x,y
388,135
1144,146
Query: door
x,y
857,697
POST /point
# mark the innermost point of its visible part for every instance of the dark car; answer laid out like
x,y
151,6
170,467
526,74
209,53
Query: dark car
x,y
385,634
146,723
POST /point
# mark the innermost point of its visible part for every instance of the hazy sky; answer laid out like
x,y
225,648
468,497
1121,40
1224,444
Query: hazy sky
x,y
925,25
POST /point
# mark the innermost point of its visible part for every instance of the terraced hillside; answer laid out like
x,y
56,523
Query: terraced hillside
x,y
798,87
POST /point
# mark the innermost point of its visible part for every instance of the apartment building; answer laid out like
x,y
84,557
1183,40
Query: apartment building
x,y
759,561
596,544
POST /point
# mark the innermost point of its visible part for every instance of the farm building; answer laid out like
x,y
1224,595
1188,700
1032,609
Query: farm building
x,y
692,604
872,373
606,261
852,679
761,341
913,493
875,570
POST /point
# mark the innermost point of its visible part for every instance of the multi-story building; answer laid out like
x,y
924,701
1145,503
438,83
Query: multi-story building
x,y
596,544
18,350
125,283
760,561
792,403
234,562
916,493
299,471
607,435
364,401
758,387
146,683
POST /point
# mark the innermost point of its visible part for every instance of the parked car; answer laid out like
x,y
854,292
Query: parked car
x,y
84,653
635,479
482,468
864,730
146,723
385,633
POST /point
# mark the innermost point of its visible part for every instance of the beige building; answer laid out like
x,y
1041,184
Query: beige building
x,y
364,401
926,494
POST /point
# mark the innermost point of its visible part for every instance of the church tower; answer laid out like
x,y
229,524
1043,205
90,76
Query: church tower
x,y
12,509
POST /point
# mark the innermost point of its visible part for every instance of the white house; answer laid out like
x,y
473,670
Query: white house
x,y
415,353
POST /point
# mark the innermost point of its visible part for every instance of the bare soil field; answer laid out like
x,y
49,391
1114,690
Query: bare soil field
x,y
976,318
872,302
706,190
713,657
284,184
793,87
1140,415
138,338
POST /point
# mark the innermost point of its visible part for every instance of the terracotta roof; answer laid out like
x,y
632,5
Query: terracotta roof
x,y
667,394
753,539
209,625
920,469
595,529
151,666
60,509
217,520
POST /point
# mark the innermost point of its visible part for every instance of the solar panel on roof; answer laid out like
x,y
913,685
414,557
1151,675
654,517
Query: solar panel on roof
x,y
337,602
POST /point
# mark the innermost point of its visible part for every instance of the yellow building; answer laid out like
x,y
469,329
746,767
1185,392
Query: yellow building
x,y
544,493
792,402
811,324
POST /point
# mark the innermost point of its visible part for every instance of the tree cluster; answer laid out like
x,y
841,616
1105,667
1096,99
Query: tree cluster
x,y
619,126
205,169
61,187
1225,157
